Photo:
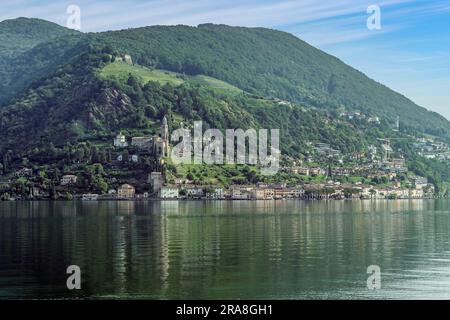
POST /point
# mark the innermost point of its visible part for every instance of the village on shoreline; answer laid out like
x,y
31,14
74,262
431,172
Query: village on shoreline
x,y
185,190
330,191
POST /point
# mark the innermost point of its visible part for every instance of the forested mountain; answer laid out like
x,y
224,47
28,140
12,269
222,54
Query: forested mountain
x,y
19,35
260,61
87,99
31,49
271,63
60,87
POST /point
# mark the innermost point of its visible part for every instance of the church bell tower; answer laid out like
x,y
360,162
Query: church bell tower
x,y
165,137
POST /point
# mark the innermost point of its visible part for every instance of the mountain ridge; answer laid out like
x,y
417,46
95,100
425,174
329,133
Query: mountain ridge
x,y
262,61
20,34
63,100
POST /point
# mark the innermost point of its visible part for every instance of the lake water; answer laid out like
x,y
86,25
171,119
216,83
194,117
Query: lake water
x,y
226,249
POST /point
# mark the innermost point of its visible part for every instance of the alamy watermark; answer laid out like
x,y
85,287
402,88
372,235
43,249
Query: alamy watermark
x,y
74,280
374,280
74,19
374,20
240,147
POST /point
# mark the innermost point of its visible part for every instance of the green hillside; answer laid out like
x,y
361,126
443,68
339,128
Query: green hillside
x,y
89,99
19,35
273,64
260,61
121,71
65,97
31,49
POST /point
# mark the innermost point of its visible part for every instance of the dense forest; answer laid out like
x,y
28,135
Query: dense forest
x,y
260,61
75,104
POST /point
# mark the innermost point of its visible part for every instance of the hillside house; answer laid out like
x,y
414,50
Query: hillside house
x,y
120,141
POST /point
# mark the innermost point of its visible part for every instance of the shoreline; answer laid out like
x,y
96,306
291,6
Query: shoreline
x,y
227,200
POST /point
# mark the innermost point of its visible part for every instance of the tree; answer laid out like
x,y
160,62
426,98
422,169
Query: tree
x,y
7,161
52,191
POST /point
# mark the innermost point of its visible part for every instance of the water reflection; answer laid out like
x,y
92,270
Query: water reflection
x,y
223,249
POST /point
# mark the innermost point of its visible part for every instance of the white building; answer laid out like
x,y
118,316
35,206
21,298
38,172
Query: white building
x,y
120,141
127,59
193,191
240,192
374,120
169,192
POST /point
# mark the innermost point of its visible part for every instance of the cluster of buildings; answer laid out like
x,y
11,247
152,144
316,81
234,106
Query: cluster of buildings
x,y
324,149
350,115
431,149
418,188
157,145
377,162
124,192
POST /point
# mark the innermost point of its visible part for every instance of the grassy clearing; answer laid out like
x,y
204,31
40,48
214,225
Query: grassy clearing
x,y
121,71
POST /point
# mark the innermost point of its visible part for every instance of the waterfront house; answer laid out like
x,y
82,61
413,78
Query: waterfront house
x,y
193,191
258,194
89,197
213,192
169,192
416,194
288,192
262,193
240,192
126,191
403,193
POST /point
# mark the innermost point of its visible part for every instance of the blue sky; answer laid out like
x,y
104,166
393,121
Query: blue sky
x,y
410,53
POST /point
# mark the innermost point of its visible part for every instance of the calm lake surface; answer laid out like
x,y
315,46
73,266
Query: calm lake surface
x,y
225,249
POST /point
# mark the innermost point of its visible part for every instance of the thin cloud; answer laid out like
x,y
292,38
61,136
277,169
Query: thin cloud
x,y
393,55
